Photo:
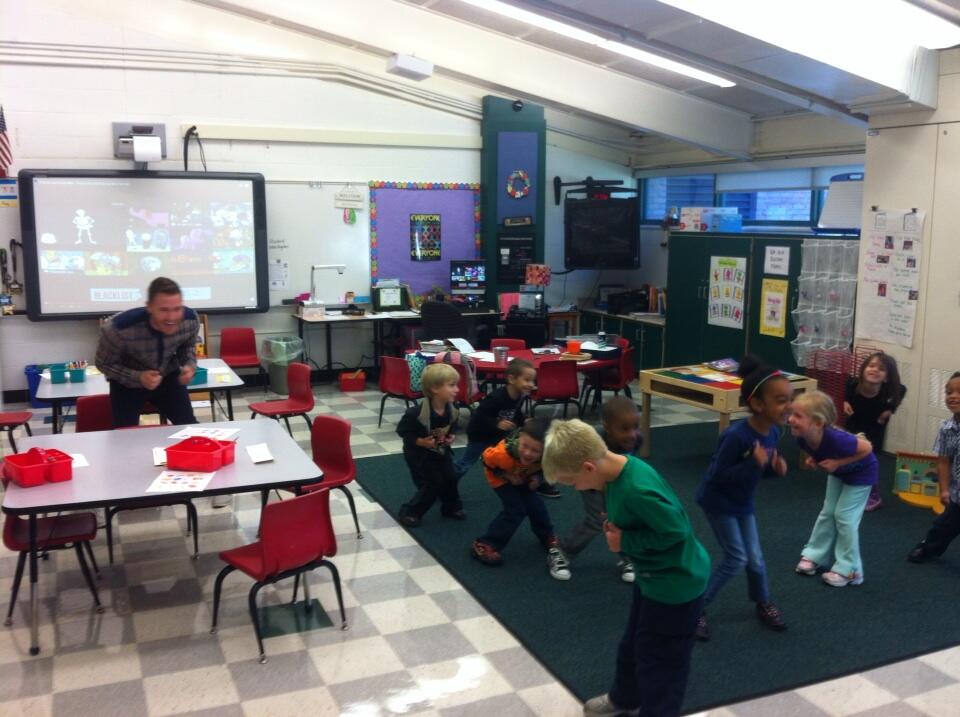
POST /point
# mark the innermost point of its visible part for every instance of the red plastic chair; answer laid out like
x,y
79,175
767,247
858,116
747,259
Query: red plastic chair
x,y
95,413
300,402
395,383
71,530
623,342
238,349
464,398
330,443
616,381
10,421
557,383
510,344
296,536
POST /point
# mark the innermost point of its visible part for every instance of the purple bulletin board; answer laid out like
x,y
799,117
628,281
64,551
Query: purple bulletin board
x,y
392,204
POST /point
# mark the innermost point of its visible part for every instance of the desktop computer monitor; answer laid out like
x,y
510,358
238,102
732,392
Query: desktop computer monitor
x,y
468,278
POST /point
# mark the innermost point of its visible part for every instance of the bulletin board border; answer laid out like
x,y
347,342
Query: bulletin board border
x,y
418,186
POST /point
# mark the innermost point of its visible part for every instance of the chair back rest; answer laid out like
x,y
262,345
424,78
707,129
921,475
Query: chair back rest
x,y
330,444
441,320
626,368
557,379
94,413
238,340
507,301
509,344
394,375
298,381
296,531
623,342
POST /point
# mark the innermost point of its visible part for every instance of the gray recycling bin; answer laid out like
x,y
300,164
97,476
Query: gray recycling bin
x,y
278,352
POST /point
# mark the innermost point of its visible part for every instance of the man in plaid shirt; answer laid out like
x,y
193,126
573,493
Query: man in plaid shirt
x,y
147,354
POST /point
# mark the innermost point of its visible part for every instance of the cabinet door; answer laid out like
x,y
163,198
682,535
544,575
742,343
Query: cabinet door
x,y
686,298
723,341
589,322
774,350
651,347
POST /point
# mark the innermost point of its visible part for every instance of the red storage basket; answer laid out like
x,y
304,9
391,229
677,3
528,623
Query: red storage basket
x,y
38,466
353,381
195,454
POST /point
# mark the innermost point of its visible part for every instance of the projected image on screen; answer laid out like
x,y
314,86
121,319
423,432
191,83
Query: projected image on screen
x,y
100,241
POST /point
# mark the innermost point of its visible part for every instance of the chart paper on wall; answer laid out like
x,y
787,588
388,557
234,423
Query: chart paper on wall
x,y
728,282
890,276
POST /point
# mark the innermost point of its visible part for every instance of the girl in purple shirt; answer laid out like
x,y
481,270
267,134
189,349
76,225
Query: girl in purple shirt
x,y
852,470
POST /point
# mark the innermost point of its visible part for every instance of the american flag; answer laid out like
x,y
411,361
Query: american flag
x,y
6,154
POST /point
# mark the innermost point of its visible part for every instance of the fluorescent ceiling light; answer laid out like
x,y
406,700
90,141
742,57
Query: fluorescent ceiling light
x,y
575,33
876,40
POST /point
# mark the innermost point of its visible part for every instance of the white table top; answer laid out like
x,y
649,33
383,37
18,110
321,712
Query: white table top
x,y
121,467
97,383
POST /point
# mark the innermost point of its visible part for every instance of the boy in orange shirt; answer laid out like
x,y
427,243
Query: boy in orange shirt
x,y
513,470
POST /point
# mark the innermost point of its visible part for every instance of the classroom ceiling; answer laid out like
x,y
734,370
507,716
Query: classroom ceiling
x,y
654,117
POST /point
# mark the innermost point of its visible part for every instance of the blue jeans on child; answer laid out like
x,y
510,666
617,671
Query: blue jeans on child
x,y
519,502
738,536
836,534
468,456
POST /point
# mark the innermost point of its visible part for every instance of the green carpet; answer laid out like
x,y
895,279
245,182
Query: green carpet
x,y
573,627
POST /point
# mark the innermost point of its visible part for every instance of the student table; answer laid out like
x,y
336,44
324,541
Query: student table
x,y
100,484
702,387
220,378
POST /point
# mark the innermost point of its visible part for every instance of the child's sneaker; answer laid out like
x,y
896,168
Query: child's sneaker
x,y
874,503
769,614
702,633
840,581
806,567
602,707
485,553
557,562
627,572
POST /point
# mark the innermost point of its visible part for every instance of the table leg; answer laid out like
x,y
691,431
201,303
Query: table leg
x,y
34,594
724,422
329,335
645,425
213,406
57,415
230,404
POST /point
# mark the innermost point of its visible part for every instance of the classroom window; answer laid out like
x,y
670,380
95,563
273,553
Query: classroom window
x,y
771,206
662,193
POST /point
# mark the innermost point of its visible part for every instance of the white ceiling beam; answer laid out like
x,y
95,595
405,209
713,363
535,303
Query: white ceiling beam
x,y
490,59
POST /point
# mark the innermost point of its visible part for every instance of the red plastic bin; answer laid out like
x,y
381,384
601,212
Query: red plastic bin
x,y
200,454
38,466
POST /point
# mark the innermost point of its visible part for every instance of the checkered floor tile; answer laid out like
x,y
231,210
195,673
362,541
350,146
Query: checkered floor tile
x,y
417,643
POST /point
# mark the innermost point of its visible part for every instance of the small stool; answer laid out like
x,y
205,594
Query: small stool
x,y
10,421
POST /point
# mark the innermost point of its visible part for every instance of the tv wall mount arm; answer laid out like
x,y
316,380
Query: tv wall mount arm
x,y
591,188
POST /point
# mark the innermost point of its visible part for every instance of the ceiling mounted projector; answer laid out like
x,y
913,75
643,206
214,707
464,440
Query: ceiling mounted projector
x,y
413,68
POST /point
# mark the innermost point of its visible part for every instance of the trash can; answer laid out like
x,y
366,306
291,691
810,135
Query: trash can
x,y
278,352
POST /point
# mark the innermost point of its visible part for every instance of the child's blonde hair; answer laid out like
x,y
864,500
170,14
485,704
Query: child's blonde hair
x,y
436,375
819,405
568,446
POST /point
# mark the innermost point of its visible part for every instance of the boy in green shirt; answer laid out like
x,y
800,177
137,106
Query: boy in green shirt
x,y
647,522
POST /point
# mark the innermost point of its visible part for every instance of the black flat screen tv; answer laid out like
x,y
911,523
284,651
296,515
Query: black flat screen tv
x,y
601,233
94,240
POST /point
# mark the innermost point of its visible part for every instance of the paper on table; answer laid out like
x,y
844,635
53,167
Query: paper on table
x,y
159,456
462,345
482,355
79,460
259,453
223,379
588,362
219,369
220,434
179,481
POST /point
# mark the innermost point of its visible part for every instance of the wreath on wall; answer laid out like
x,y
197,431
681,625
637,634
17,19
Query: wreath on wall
x,y
518,184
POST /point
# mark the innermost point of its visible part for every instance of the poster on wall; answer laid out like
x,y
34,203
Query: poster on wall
x,y
424,237
773,305
728,282
889,276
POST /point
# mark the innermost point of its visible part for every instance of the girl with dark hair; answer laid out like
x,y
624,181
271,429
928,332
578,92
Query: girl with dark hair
x,y
746,452
870,399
